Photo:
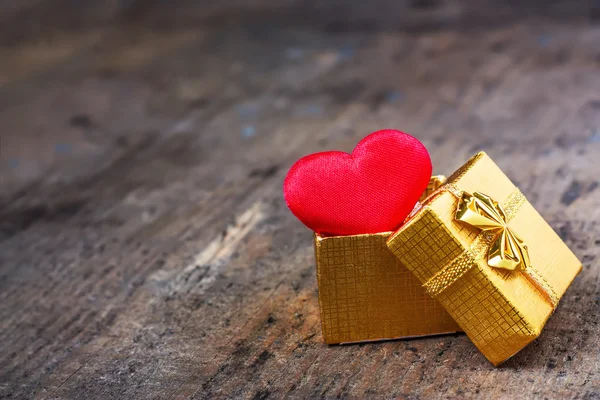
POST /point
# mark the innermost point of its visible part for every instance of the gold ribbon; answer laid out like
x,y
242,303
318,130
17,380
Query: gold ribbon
x,y
498,244
507,250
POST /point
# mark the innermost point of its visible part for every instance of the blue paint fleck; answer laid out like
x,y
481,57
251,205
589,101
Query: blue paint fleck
x,y
313,109
394,96
13,163
544,40
247,110
62,148
248,131
294,53
595,137
346,52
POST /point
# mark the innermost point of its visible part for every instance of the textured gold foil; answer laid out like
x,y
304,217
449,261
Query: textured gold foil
x,y
366,294
435,182
501,311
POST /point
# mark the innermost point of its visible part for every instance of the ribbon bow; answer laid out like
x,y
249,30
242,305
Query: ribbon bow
x,y
507,249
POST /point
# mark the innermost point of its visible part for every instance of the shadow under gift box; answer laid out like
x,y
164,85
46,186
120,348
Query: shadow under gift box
x,y
500,310
366,294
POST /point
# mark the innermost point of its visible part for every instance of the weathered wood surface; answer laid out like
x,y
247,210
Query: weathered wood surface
x,y
145,249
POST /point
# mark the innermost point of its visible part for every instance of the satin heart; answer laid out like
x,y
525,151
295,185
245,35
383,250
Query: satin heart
x,y
371,190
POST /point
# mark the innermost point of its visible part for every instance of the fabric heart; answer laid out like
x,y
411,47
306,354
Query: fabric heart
x,y
371,190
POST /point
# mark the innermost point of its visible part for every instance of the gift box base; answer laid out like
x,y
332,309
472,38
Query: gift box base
x,y
366,294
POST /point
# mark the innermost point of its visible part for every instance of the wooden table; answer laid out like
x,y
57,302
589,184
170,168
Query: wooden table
x,y
145,248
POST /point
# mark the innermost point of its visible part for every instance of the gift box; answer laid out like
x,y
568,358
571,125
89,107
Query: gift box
x,y
485,254
366,294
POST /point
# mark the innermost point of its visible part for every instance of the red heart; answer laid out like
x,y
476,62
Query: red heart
x,y
371,190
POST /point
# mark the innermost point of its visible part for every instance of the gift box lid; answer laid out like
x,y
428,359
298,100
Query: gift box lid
x,y
500,309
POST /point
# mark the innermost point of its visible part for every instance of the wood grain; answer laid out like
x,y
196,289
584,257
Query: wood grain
x,y
145,248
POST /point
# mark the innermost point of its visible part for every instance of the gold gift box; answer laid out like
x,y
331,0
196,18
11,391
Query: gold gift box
x,y
501,310
366,294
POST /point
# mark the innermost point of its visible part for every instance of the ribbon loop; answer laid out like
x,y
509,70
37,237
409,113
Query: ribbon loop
x,y
507,250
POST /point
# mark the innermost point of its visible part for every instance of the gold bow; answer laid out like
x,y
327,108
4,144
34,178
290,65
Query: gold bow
x,y
507,249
